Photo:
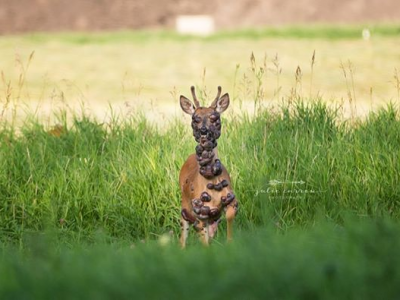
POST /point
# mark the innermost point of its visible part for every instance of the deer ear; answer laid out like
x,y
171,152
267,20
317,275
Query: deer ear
x,y
187,105
222,103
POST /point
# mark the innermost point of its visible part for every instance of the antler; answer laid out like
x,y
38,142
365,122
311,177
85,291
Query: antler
x,y
214,103
196,102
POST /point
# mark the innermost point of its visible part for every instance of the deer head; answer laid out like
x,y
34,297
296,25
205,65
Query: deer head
x,y
206,122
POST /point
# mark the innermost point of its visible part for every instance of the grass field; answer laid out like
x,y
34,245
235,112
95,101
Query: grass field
x,y
90,209
149,70
82,201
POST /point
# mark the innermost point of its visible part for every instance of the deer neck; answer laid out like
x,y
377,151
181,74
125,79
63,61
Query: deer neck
x,y
209,163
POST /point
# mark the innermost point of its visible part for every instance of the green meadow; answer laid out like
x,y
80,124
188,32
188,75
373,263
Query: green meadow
x,y
90,208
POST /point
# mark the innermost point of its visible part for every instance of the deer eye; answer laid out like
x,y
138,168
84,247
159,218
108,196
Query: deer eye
x,y
214,117
196,119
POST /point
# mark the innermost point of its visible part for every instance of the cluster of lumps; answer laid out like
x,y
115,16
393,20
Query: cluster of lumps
x,y
211,170
214,131
204,212
219,186
204,151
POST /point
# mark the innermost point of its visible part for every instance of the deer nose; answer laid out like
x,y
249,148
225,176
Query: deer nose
x,y
203,130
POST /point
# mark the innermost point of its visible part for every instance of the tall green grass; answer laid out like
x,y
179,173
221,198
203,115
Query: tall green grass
x,y
91,210
357,261
288,169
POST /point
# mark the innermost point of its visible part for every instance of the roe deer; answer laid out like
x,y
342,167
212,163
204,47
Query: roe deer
x,y
204,182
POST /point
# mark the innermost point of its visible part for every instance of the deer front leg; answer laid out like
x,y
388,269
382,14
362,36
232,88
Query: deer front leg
x,y
187,218
230,214
204,233
184,232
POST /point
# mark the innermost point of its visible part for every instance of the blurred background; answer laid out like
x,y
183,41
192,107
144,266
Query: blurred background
x,y
55,15
141,55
